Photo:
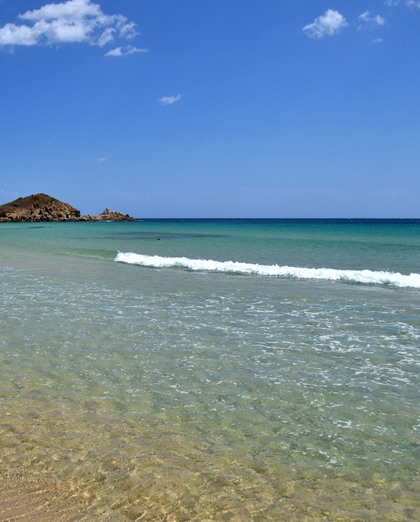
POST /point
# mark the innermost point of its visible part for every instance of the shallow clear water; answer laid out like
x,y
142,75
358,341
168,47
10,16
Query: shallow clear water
x,y
179,394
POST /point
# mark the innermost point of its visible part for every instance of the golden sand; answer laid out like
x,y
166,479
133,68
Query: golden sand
x,y
26,499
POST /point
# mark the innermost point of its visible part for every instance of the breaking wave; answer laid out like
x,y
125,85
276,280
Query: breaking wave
x,y
328,274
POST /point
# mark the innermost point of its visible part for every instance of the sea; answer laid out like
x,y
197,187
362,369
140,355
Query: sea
x,y
197,370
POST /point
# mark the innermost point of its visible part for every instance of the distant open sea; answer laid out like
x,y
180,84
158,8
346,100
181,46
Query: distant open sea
x,y
196,370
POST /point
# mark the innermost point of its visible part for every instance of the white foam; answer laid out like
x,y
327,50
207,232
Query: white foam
x,y
329,274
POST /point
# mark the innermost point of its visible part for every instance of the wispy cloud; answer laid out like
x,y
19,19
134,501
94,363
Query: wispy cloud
x,y
368,20
414,4
170,100
73,21
327,24
102,159
125,51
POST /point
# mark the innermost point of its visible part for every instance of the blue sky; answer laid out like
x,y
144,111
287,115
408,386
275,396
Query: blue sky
x,y
213,108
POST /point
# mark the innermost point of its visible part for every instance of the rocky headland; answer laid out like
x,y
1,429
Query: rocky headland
x,y
41,207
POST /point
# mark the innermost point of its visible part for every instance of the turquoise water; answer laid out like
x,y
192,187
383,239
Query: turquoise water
x,y
151,378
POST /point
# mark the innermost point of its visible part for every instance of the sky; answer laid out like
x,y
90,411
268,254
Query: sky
x,y
213,108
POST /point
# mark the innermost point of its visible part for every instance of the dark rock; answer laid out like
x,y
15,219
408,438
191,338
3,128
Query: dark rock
x,y
41,207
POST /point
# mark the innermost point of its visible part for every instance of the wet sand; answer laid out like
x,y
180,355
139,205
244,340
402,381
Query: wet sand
x,y
26,499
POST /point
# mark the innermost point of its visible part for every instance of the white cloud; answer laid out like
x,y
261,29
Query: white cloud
x,y
71,10
377,41
125,51
169,100
325,25
67,22
102,159
365,19
106,37
11,34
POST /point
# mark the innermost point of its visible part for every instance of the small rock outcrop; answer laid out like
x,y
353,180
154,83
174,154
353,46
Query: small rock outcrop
x,y
41,207
108,215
